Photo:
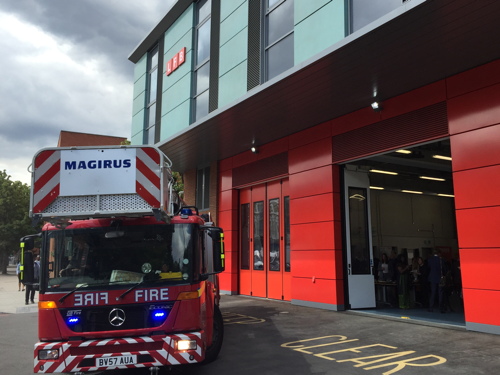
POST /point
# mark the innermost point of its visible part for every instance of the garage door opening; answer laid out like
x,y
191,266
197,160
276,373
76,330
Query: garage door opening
x,y
410,214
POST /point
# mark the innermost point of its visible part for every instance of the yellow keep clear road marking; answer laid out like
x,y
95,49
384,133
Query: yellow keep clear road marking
x,y
373,356
232,318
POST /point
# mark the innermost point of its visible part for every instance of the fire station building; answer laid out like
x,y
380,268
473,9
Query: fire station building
x,y
326,136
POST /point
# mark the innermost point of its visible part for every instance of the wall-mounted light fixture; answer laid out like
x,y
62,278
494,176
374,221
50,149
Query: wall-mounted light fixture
x,y
376,106
254,149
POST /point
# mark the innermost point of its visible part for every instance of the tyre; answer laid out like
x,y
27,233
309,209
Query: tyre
x,y
217,337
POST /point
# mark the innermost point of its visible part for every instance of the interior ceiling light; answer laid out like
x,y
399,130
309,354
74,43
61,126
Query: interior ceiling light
x,y
447,195
254,149
412,192
406,152
383,172
376,188
442,157
432,178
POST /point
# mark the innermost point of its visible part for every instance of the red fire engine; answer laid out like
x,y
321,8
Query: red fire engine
x,y
124,282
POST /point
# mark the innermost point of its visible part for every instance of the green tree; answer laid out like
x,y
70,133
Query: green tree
x,y
14,217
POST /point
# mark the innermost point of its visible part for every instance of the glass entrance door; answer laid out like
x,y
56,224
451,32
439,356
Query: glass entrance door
x,y
265,241
360,278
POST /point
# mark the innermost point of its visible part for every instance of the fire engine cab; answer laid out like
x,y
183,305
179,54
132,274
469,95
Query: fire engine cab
x,y
128,277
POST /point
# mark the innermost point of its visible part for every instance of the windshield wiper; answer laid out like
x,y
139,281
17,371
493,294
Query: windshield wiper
x,y
131,289
61,300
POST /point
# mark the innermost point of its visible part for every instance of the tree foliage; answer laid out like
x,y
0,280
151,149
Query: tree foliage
x,y
14,217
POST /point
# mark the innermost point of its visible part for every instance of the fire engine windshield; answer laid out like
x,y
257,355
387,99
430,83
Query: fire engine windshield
x,y
128,255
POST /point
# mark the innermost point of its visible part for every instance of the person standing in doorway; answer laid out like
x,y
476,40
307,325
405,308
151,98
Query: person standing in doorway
x,y
435,264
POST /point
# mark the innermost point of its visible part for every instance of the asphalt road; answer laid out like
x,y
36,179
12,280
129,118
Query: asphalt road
x,y
267,337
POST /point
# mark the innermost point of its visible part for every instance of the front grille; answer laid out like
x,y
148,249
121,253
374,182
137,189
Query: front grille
x,y
97,318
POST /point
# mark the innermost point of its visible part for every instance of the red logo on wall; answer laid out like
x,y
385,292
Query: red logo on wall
x,y
176,61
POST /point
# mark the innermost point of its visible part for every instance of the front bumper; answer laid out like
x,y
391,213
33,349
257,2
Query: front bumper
x,y
147,351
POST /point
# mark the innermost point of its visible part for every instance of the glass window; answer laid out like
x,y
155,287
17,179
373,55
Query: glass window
x,y
203,45
153,85
203,78
152,92
279,41
204,9
201,105
358,224
274,234
245,236
258,235
152,114
286,212
364,12
151,135
203,188
280,22
202,69
280,57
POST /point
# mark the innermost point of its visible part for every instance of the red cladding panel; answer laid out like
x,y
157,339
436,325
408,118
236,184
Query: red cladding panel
x,y
416,99
479,148
228,281
244,158
317,236
273,148
226,180
225,164
228,200
232,261
310,135
482,306
355,120
323,264
312,209
480,268
228,220
477,187
318,290
312,182
474,79
475,110
478,228
310,156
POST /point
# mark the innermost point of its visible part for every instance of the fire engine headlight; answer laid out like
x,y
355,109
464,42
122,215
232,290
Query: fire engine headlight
x,y
48,354
186,345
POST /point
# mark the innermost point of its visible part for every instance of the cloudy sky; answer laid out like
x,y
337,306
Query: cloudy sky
x,y
64,66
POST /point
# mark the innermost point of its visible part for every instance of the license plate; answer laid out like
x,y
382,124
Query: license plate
x,y
116,361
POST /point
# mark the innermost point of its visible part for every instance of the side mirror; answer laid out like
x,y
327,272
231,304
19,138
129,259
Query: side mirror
x,y
27,268
214,250
28,242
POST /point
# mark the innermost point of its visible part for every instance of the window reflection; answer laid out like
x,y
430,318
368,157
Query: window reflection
x,y
358,225
280,57
258,235
274,234
364,12
245,236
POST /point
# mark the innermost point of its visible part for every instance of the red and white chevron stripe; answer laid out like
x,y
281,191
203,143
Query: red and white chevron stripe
x,y
47,177
161,349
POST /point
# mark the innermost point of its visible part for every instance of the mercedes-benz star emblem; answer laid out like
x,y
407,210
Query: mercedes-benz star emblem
x,y
117,317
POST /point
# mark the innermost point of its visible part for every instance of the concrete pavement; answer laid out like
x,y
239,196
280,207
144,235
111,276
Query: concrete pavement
x,y
12,300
